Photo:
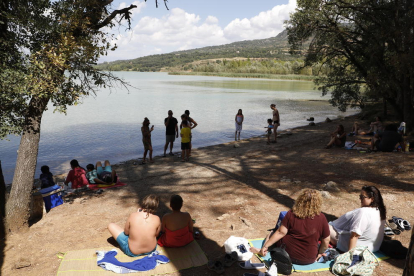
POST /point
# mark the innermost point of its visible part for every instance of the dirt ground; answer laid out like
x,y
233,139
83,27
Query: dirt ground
x,y
254,182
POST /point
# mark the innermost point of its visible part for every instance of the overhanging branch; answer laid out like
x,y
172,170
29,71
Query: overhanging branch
x,y
125,13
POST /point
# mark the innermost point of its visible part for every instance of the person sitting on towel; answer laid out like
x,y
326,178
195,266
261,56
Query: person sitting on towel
x,y
139,236
301,230
177,227
363,226
77,176
101,175
388,140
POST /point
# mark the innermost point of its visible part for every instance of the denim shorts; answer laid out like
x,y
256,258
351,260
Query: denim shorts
x,y
100,170
122,240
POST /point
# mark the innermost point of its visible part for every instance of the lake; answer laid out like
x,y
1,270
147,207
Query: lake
x,y
108,125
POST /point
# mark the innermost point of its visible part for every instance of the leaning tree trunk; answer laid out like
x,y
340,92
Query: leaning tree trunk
x,y
409,262
17,207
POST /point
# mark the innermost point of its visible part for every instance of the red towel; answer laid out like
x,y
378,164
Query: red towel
x,y
175,238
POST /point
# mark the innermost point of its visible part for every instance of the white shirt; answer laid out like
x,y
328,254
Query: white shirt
x,y
366,222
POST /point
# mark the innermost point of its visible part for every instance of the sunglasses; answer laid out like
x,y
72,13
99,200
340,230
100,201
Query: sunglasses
x,y
361,197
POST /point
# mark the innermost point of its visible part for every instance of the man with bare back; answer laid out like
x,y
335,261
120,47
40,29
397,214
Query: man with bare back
x,y
139,237
276,120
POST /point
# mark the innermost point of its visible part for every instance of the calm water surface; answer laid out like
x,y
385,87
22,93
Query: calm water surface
x,y
108,126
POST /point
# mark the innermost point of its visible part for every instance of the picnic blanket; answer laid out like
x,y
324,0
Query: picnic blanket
x,y
84,262
315,267
105,186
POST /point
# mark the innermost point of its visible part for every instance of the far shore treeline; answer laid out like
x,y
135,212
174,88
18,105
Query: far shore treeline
x,y
261,56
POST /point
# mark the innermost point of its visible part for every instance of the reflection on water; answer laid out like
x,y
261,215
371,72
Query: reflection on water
x,y
108,126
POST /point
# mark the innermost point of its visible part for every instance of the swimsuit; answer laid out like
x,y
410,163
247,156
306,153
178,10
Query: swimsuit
x,y
122,240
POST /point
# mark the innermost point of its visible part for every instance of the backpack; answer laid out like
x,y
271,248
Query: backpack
x,y
365,266
282,260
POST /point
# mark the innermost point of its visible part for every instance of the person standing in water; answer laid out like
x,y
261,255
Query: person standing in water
x,y
239,122
146,140
276,120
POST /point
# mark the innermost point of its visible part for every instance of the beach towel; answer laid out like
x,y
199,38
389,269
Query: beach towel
x,y
176,238
315,267
83,262
108,261
350,145
106,186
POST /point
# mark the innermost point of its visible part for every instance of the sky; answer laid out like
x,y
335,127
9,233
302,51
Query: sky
x,y
190,24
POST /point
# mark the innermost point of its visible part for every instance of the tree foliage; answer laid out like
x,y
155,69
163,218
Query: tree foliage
x,y
368,47
51,47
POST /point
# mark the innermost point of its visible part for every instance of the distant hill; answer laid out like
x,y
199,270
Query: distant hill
x,y
274,47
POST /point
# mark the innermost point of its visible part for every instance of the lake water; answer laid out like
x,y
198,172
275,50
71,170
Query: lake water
x,y
108,126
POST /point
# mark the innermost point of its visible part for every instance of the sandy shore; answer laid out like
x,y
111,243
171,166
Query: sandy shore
x,y
253,181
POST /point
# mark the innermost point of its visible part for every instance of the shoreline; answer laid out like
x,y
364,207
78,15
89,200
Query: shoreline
x,y
177,152
245,75
282,132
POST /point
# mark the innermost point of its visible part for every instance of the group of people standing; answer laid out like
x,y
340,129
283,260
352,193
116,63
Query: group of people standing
x,y
272,126
171,133
186,125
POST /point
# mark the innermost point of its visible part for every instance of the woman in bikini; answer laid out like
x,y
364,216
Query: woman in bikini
x,y
146,139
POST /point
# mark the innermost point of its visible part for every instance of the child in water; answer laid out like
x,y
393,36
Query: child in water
x,y
239,122
269,130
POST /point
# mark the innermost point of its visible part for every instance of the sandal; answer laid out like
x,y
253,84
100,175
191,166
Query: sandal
x,y
216,266
394,227
230,259
388,231
249,265
401,223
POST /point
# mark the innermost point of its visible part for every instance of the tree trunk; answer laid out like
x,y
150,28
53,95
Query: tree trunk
x,y
17,207
407,106
2,213
409,261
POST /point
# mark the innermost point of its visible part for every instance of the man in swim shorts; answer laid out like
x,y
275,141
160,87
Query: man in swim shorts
x,y
171,132
139,236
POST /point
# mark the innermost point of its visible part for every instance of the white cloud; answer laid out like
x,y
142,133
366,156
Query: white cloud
x,y
266,24
180,30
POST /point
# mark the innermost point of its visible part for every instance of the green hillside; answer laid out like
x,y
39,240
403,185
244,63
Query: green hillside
x,y
270,48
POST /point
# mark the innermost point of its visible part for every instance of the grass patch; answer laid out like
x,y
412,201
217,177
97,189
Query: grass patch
x,y
246,75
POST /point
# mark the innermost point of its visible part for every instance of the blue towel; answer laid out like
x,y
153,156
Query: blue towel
x,y
304,268
107,260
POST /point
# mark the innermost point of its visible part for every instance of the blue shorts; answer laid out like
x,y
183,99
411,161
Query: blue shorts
x,y
100,170
122,240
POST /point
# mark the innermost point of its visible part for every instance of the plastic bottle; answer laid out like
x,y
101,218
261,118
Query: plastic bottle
x,y
407,147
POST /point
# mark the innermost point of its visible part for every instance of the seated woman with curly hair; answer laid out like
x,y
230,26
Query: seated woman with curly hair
x,y
301,230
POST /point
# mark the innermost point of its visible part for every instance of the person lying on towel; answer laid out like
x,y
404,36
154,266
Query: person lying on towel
x,y
139,236
101,175
177,227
